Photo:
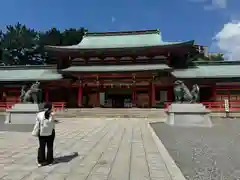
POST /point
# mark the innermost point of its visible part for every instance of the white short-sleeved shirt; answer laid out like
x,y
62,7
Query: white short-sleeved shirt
x,y
46,125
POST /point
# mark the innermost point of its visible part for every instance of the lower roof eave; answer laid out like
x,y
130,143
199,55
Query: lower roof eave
x,y
209,72
117,68
77,72
220,78
28,75
29,80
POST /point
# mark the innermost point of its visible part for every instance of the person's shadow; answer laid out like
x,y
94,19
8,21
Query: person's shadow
x,y
65,158
56,121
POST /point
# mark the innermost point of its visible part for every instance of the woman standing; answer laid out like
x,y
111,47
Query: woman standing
x,y
45,130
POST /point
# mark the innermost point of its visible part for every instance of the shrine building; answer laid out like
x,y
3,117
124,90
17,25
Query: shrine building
x,y
122,69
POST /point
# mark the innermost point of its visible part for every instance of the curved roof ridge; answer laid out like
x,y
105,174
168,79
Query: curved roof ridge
x,y
118,33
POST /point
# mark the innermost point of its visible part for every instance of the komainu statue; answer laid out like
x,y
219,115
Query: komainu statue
x,y
32,95
183,94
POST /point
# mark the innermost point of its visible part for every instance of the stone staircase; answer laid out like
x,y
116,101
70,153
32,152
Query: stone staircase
x,y
110,113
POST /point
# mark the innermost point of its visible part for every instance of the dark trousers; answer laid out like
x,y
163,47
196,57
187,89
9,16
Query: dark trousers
x,y
43,142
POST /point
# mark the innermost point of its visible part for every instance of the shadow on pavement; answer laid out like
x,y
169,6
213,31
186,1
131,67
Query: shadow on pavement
x,y
65,158
56,121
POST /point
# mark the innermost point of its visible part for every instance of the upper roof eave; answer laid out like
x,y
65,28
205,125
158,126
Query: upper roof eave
x,y
78,48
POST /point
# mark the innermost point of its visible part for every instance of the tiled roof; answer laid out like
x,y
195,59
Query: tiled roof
x,y
120,40
28,74
209,71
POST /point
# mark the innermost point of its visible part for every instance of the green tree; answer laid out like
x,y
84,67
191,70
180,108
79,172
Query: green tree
x,y
20,45
72,36
216,57
208,58
51,37
1,37
55,37
17,45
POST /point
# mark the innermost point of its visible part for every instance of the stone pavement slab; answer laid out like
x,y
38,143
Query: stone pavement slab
x,y
108,149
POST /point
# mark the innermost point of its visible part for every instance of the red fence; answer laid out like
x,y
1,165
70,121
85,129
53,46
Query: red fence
x,y
217,105
6,105
214,106
57,106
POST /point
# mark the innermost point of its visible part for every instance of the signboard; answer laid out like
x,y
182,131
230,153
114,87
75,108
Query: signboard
x,y
226,105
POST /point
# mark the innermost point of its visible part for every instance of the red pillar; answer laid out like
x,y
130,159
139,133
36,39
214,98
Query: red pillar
x,y
80,93
134,96
213,93
98,94
98,98
170,94
46,95
153,101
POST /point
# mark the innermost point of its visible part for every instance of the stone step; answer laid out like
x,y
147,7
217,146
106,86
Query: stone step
x,y
114,110
107,112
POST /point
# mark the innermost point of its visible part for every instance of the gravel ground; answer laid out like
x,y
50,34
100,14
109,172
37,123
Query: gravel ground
x,y
204,153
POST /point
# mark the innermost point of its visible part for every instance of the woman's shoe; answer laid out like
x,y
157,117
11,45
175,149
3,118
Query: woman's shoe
x,y
40,165
50,163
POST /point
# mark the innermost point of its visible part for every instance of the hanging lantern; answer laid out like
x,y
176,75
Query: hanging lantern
x,y
134,77
97,81
153,77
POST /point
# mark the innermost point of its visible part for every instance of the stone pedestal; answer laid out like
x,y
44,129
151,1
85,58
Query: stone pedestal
x,y
23,113
188,115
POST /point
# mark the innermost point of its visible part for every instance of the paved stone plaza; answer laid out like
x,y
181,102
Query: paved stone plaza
x,y
110,149
204,153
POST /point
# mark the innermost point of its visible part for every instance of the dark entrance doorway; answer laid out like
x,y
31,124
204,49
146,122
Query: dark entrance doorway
x,y
119,97
120,100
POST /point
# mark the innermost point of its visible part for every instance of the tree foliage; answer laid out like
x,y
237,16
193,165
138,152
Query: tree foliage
x,y
209,57
20,45
216,57
17,45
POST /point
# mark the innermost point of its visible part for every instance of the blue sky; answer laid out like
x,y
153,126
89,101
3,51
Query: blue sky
x,y
177,19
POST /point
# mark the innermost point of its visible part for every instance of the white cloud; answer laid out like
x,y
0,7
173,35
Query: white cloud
x,y
228,40
219,3
212,4
113,19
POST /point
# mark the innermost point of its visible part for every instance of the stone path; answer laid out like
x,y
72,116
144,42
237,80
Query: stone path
x,y
108,149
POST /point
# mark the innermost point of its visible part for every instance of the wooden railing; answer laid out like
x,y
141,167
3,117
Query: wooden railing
x,y
217,105
234,105
57,106
6,105
214,106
